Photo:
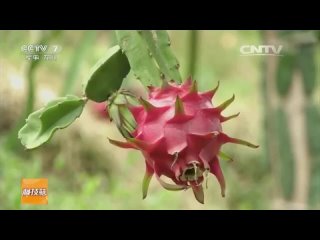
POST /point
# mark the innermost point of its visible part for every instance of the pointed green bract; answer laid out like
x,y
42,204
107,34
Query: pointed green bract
x,y
215,89
243,142
224,105
122,118
179,109
107,75
147,106
137,52
57,114
120,144
114,114
223,119
226,157
145,184
194,87
126,118
198,193
119,112
139,143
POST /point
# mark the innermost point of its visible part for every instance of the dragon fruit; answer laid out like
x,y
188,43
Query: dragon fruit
x,y
180,135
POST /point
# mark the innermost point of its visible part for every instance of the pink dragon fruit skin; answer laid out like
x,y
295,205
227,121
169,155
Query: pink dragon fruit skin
x,y
179,133
100,110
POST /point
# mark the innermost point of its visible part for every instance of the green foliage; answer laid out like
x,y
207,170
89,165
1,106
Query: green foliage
x,y
57,114
313,127
69,189
159,45
107,75
268,116
163,43
120,114
307,65
139,57
12,168
44,39
285,70
148,50
193,50
76,61
286,159
12,141
301,55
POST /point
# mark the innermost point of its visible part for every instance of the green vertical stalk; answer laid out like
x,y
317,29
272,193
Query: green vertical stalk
x,y
193,51
266,165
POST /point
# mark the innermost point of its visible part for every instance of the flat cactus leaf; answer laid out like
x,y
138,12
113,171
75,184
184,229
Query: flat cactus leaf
x,y
42,124
159,45
107,75
137,52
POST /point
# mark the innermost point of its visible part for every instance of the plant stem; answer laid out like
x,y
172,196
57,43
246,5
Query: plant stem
x,y
193,51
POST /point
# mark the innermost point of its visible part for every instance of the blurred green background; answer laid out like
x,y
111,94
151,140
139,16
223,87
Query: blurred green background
x,y
278,97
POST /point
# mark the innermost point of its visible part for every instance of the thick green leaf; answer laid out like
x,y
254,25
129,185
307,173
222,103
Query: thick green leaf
x,y
107,75
163,42
159,45
140,59
57,114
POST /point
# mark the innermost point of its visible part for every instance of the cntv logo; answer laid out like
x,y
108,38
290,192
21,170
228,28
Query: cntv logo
x,y
260,50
